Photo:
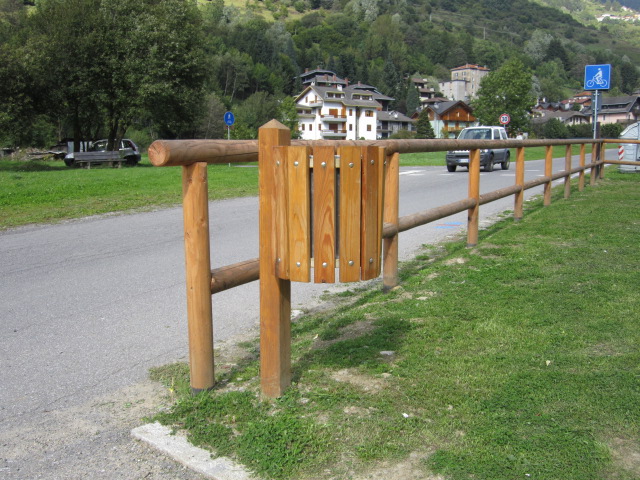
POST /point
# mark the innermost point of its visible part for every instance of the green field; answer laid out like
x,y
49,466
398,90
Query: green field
x,y
515,359
48,191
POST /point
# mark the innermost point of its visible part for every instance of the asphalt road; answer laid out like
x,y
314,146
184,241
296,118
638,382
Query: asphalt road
x,y
88,306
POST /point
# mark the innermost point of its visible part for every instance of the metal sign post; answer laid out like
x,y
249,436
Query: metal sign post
x,y
229,119
596,78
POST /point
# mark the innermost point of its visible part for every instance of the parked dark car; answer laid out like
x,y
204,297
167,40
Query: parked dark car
x,y
488,157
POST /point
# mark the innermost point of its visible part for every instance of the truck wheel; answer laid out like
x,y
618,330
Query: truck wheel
x,y
489,166
451,168
507,162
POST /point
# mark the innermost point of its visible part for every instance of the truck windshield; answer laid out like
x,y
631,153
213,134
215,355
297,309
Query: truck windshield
x,y
476,134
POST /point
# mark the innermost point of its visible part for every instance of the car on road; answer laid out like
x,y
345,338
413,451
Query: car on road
x,y
128,151
488,156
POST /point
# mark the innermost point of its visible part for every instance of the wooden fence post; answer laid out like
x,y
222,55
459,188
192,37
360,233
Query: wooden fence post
x,y
595,156
548,170
567,167
583,149
275,293
391,209
474,192
602,156
519,197
198,275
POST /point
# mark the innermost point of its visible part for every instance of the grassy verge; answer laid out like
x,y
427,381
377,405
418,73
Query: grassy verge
x,y
515,359
47,191
437,158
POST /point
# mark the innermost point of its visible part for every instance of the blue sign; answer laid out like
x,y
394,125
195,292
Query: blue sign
x,y
229,119
597,77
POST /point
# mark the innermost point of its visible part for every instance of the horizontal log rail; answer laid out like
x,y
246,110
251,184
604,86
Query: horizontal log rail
x,y
193,155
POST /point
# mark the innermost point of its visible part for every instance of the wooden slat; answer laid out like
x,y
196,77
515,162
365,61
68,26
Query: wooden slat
x,y
299,214
324,214
370,251
282,212
350,213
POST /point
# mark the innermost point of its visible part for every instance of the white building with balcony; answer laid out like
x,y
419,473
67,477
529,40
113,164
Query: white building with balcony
x,y
337,112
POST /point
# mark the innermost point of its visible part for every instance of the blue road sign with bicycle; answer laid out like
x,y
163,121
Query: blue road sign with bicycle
x,y
597,77
229,118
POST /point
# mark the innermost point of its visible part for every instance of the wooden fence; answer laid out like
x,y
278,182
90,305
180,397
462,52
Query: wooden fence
x,y
346,217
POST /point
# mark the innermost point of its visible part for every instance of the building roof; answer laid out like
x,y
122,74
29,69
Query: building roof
x,y
442,107
562,115
393,116
348,99
469,66
608,105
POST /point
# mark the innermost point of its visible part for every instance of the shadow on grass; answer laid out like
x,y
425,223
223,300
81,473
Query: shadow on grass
x,y
31,166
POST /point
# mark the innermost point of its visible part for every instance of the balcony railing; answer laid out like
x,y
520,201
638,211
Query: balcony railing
x,y
334,133
333,118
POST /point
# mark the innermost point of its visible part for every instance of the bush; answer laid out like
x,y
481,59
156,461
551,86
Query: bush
x,y
583,130
611,130
554,128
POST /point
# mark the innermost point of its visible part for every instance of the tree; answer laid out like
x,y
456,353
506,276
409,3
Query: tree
x,y
507,90
554,128
423,126
413,99
107,63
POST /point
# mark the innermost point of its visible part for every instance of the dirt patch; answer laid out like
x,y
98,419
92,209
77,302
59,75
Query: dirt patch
x,y
410,469
455,261
366,383
626,455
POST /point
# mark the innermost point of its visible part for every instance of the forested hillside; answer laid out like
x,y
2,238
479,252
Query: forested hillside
x,y
149,69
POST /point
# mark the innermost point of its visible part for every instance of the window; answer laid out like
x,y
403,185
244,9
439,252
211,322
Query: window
x,y
368,128
368,113
350,127
350,111
302,127
310,126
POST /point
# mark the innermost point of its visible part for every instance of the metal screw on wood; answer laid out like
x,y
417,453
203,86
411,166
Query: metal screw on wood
x,y
324,264
351,263
295,164
323,164
297,264
371,260
351,165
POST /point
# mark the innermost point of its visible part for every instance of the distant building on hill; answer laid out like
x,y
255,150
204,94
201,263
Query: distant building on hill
x,y
465,82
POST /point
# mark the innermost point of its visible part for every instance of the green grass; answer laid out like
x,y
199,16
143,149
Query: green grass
x,y
437,158
516,359
39,191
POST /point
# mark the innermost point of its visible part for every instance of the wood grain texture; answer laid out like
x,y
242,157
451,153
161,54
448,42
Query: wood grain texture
x,y
324,214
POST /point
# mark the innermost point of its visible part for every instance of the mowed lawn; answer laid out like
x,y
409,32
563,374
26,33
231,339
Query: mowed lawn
x,y
47,191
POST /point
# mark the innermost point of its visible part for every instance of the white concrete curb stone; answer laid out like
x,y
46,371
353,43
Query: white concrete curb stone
x,y
197,459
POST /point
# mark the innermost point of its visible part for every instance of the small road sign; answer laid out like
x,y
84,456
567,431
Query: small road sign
x,y
597,77
505,118
229,119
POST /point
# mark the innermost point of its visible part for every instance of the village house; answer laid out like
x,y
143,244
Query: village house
x,y
390,123
337,112
330,107
624,110
448,118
